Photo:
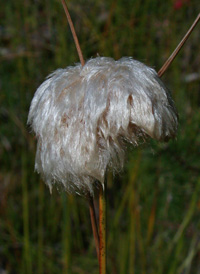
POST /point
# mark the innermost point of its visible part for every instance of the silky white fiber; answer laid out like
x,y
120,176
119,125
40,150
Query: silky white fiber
x,y
83,117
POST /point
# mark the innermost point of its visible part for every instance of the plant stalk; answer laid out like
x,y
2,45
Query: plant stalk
x,y
91,203
102,231
178,48
94,225
73,33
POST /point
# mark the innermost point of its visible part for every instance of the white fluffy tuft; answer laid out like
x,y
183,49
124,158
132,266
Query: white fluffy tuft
x,y
83,115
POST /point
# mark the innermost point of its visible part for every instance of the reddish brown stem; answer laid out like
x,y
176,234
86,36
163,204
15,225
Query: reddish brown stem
x,y
73,33
178,48
102,231
94,225
91,204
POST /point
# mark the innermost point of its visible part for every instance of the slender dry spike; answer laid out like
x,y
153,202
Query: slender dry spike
x,y
94,225
73,33
178,48
102,231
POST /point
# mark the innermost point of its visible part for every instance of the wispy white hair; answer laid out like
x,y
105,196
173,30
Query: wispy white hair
x,y
83,116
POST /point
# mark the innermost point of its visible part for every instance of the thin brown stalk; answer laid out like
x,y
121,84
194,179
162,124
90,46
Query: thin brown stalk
x,y
94,225
102,231
91,204
73,33
178,48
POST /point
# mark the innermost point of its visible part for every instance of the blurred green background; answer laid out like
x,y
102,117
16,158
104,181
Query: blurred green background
x,y
154,205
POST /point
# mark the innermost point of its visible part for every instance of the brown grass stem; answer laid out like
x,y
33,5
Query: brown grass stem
x,y
91,203
94,225
102,231
73,33
178,48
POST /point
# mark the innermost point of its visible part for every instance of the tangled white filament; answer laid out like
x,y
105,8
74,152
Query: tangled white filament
x,y
83,115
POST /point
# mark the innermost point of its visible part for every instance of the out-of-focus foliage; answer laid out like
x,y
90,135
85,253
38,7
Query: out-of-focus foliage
x,y
154,205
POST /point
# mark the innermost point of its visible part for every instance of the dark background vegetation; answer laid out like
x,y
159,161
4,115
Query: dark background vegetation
x,y
154,205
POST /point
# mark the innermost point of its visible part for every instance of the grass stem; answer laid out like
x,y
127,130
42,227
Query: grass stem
x,y
102,231
94,224
178,48
73,33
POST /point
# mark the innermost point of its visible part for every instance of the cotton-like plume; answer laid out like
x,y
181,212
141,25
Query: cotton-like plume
x,y
83,116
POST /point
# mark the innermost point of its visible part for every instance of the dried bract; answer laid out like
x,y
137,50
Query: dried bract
x,y
83,116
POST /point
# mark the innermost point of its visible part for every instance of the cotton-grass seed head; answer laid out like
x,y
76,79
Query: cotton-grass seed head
x,y
83,116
